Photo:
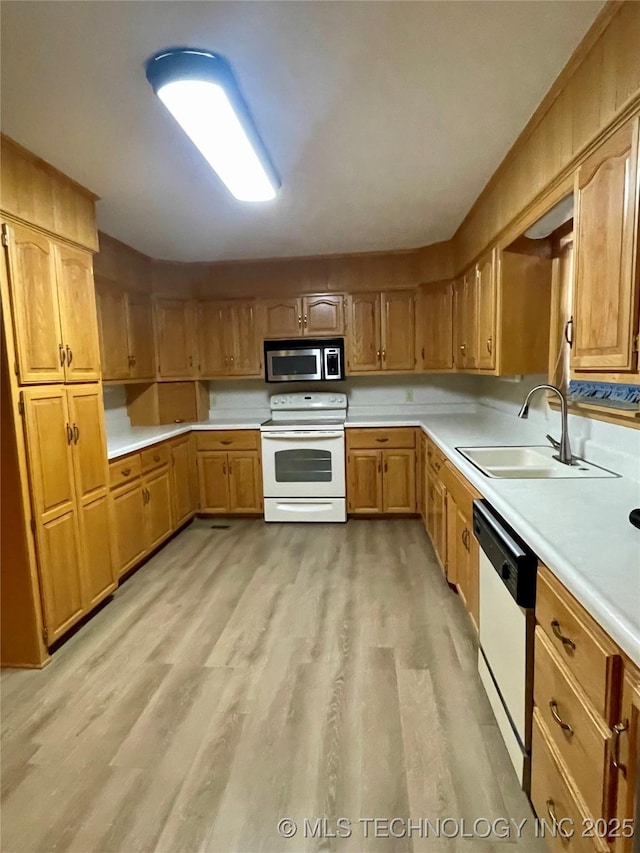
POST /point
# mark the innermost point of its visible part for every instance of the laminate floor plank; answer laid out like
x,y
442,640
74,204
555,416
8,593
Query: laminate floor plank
x,y
255,673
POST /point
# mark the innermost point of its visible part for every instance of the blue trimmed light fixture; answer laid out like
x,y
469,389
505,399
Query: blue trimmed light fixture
x,y
199,90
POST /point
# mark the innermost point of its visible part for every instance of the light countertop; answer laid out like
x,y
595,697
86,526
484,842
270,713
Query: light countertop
x,y
578,528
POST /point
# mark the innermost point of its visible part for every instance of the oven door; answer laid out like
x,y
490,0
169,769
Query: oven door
x,y
303,464
293,365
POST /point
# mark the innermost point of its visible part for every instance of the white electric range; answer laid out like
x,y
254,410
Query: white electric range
x,y
303,458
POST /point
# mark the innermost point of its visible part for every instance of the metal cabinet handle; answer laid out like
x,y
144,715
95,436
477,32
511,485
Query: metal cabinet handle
x,y
553,706
552,814
226,441
232,359
230,469
226,360
125,472
566,641
384,355
463,348
490,345
148,495
62,354
386,466
190,361
69,355
378,354
615,757
76,433
437,466
382,439
299,321
156,457
224,467
569,325
69,434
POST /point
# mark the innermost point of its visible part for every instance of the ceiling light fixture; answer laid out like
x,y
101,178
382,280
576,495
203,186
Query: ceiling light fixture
x,y
200,91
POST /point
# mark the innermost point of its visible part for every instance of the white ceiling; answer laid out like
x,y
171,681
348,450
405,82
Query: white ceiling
x,y
384,119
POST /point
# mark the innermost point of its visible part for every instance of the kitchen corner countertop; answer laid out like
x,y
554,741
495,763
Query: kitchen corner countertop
x,y
580,529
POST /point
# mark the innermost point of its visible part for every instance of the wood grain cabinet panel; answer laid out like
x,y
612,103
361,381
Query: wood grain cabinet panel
x,y
230,338
465,323
245,482
364,481
89,446
34,300
77,303
128,513
486,301
626,750
99,571
605,301
175,339
182,481
158,521
213,480
247,339
60,573
323,314
437,517
435,326
363,333
140,335
113,332
398,330
283,318
399,481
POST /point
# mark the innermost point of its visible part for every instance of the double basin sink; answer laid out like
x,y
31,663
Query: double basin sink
x,y
529,462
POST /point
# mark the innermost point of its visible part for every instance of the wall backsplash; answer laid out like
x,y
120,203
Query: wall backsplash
x,y
115,409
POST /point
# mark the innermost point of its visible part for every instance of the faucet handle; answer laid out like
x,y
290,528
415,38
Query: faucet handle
x,y
555,444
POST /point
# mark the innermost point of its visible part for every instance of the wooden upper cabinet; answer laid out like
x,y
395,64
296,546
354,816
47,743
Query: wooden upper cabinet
x,y
77,304
112,328
283,318
230,338
398,330
364,347
215,337
140,335
34,299
175,339
465,320
605,297
435,322
247,339
486,301
323,314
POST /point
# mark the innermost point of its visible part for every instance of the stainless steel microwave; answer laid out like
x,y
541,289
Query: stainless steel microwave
x,y
304,359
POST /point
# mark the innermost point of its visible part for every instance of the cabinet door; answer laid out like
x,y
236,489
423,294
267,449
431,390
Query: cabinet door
x,y
436,323
364,481
465,331
486,285
246,354
112,328
626,743
323,314
49,437
158,521
140,316
128,514
605,297
34,300
215,338
175,339
399,481
213,481
97,550
363,344
245,482
398,330
460,553
78,316
440,521
181,481
283,318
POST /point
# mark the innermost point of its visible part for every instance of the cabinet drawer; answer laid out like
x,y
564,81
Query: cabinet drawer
x,y
586,651
363,439
241,439
553,794
123,470
154,457
435,457
583,746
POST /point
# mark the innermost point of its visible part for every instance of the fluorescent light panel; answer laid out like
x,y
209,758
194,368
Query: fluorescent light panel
x,y
200,92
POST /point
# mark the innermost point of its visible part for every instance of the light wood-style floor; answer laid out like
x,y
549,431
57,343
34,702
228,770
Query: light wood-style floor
x,y
256,673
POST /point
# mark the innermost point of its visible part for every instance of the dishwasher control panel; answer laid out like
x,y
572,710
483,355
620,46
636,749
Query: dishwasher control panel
x,y
515,563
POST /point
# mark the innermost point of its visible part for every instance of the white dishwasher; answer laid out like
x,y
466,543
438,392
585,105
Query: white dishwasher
x,y
507,581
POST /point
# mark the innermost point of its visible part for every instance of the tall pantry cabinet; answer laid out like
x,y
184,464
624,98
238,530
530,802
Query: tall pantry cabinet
x,y
51,350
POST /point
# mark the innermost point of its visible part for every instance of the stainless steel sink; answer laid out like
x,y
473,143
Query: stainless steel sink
x,y
529,462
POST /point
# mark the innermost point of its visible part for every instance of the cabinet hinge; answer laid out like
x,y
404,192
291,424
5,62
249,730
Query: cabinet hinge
x,y
5,235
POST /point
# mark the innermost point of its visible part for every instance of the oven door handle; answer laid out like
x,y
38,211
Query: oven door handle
x,y
304,436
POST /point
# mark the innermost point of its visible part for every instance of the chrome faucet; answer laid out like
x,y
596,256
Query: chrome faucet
x,y
563,446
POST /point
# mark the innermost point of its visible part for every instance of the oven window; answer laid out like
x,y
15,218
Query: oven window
x,y
303,466
294,365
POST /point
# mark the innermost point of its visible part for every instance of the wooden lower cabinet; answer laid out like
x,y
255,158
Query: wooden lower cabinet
x,y
626,747
381,481
60,573
437,516
99,571
128,511
230,482
182,480
158,521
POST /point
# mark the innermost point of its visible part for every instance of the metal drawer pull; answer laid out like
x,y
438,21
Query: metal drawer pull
x,y
384,354
490,345
299,321
156,458
615,758
566,641
226,441
125,472
382,439
552,814
569,325
553,705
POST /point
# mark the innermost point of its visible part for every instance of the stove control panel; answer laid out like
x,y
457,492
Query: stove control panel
x,y
304,402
